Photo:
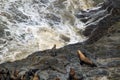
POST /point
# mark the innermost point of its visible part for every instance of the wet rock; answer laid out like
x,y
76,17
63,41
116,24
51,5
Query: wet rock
x,y
3,26
116,3
5,74
65,38
17,15
99,78
43,75
114,77
115,63
97,72
98,25
2,41
6,14
88,30
52,17
44,1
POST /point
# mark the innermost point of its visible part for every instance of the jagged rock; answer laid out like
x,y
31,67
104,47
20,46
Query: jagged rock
x,y
99,21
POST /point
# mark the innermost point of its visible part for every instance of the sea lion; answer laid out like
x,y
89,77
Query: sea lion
x,y
53,51
84,59
54,47
36,77
72,75
14,75
26,76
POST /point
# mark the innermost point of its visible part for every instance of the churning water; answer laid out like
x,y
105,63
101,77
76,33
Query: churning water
x,y
31,25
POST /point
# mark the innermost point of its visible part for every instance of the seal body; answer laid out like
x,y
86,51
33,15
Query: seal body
x,y
36,77
84,60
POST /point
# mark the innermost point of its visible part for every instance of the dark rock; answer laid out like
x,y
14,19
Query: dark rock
x,y
65,38
52,17
3,26
44,1
88,30
98,19
98,72
115,4
17,15
113,63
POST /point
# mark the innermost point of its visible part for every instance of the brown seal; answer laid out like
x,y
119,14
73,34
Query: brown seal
x,y
54,47
72,75
36,77
84,59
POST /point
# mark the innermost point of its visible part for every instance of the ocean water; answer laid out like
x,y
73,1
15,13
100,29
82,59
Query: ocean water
x,y
27,26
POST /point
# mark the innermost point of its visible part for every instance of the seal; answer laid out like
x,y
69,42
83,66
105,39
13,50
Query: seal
x,y
54,47
14,75
36,77
84,59
72,75
53,51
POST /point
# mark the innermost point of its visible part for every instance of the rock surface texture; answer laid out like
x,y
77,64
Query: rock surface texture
x,y
102,47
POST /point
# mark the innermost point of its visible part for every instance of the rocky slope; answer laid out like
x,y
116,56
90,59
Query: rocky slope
x,y
53,63
60,64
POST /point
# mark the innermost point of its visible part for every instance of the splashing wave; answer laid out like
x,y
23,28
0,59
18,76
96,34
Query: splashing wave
x,y
30,25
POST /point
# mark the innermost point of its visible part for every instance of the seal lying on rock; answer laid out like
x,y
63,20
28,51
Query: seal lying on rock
x,y
73,76
84,59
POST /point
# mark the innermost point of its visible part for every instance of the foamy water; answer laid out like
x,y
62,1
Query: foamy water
x,y
32,25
